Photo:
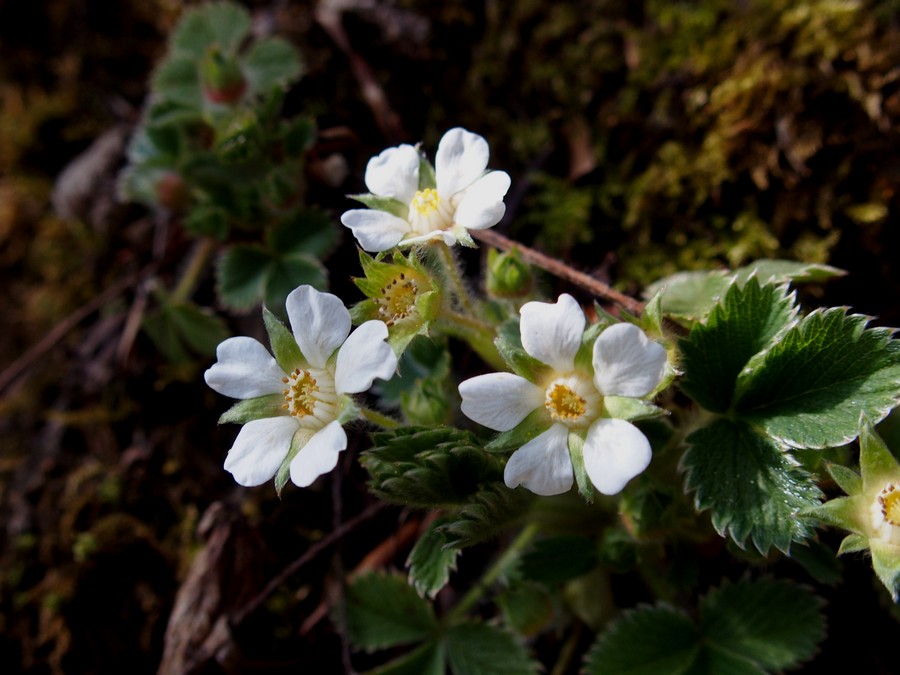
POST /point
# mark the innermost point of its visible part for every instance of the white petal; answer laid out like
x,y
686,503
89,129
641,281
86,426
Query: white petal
x,y
499,401
394,173
551,332
364,356
460,160
320,323
259,449
542,465
615,451
375,230
244,369
482,204
627,362
319,455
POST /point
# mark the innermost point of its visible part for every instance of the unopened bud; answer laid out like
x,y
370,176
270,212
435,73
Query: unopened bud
x,y
223,81
508,276
171,191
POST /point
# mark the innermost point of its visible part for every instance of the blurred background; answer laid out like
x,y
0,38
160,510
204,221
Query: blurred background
x,y
643,138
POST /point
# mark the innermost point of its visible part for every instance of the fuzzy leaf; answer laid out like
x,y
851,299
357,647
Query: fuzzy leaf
x,y
739,327
222,23
309,231
491,511
428,467
241,275
480,649
853,543
810,387
780,271
774,623
383,611
646,641
286,274
431,561
176,80
689,295
527,607
181,331
425,660
271,62
749,484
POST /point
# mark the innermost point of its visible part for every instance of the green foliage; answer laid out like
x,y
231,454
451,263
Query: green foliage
x,y
747,627
384,611
431,561
527,607
427,467
751,486
182,331
475,648
491,511
560,559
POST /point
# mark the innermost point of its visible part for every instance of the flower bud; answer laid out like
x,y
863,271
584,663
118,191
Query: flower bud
x,y
223,81
171,191
508,276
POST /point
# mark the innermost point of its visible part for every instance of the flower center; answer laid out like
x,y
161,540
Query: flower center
x,y
572,401
310,397
398,299
428,212
889,500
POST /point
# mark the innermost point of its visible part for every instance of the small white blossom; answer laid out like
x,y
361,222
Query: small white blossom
x,y
310,398
625,363
464,195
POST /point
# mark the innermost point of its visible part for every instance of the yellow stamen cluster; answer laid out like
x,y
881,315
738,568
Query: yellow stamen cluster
x,y
889,500
564,404
425,202
428,212
300,395
398,299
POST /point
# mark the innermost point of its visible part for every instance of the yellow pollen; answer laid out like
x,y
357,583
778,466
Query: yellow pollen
x,y
398,299
890,504
301,393
564,404
426,201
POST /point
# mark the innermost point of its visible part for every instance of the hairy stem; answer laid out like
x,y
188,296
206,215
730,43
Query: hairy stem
x,y
451,270
378,419
196,264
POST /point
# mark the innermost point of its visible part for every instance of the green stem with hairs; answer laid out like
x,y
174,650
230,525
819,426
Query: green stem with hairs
x,y
196,264
478,334
450,267
377,418
493,573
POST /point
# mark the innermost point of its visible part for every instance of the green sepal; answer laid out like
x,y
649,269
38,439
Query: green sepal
x,y
537,422
652,318
284,347
886,562
347,409
253,409
848,480
431,560
876,462
298,440
844,512
388,204
631,409
464,238
427,178
576,453
509,344
853,543
584,357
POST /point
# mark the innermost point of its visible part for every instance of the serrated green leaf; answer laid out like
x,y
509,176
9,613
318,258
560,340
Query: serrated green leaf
x,y
491,511
689,295
284,346
177,80
201,330
383,611
749,484
269,63
241,275
253,409
386,204
646,641
480,649
431,561
427,659
740,326
527,607
286,274
221,23
206,220
819,561
780,271
773,623
308,231
810,387
560,559
429,467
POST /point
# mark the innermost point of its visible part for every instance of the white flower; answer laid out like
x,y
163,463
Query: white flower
x,y
411,209
625,364
297,406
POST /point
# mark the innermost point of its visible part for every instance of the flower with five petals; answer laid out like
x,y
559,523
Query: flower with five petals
x,y
575,403
412,203
295,403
